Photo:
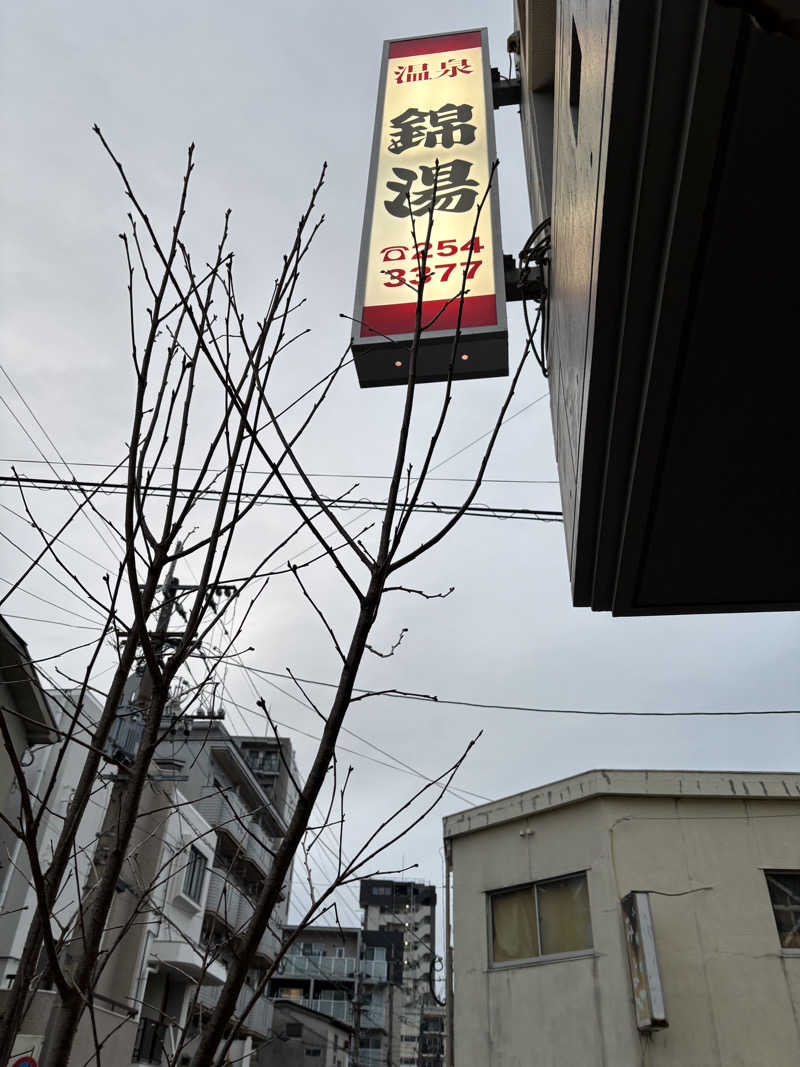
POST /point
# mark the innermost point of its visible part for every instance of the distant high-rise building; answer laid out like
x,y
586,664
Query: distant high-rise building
x,y
409,908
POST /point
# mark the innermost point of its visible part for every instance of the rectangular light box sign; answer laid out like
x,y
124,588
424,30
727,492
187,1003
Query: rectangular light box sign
x,y
434,103
640,940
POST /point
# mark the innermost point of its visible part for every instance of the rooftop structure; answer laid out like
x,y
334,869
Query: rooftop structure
x,y
621,913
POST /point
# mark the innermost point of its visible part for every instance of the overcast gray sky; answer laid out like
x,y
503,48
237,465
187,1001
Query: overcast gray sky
x,y
268,91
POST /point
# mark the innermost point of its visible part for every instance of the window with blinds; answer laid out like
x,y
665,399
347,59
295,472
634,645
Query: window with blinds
x,y
547,918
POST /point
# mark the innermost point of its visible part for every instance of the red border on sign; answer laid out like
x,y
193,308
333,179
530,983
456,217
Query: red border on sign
x,y
422,46
391,319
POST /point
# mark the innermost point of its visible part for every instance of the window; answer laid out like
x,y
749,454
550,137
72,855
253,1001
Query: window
x,y
375,952
195,873
784,892
575,79
546,919
315,1052
332,994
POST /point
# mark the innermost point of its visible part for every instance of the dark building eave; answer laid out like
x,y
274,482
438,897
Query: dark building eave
x,y
27,694
686,497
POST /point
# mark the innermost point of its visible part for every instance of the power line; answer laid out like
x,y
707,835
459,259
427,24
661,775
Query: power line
x,y
505,422
461,794
52,622
48,533
294,474
359,755
281,500
399,694
55,448
51,603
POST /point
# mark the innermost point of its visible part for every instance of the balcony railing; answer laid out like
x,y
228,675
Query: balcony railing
x,y
228,902
373,1017
293,965
228,813
223,810
371,1057
337,1009
297,966
265,762
258,1020
261,849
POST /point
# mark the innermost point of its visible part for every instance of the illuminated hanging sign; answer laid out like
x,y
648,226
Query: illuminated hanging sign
x,y
434,103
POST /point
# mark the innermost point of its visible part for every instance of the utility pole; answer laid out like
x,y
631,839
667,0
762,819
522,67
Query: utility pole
x,y
356,1060
116,983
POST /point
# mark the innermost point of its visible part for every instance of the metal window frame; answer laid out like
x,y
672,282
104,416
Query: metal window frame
x,y
196,859
781,872
549,957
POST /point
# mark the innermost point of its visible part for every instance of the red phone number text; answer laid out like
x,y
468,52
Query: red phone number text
x,y
443,251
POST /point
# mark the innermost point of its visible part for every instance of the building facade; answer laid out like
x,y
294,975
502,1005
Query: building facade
x,y
350,974
409,909
202,846
302,1037
622,917
245,831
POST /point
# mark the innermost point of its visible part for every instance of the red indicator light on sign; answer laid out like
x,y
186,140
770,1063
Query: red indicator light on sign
x,y
398,363
465,357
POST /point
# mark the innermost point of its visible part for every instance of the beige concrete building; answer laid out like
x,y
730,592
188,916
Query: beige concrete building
x,y
700,968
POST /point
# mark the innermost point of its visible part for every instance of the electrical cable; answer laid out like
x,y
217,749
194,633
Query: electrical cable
x,y
47,533
460,794
519,411
88,517
432,699
50,603
280,500
294,474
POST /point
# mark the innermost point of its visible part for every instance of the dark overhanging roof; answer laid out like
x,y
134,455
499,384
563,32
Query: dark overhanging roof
x,y
24,687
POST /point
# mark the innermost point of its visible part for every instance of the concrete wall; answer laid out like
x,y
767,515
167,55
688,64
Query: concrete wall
x,y
17,899
732,995
115,1030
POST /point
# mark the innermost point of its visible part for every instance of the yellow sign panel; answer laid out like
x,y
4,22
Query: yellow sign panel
x,y
433,147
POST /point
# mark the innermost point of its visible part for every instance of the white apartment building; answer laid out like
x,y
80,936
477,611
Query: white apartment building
x,y
202,846
621,918
144,996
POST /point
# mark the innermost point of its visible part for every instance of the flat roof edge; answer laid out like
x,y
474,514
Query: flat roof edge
x,y
697,785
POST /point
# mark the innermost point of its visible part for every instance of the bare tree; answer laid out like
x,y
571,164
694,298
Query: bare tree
x,y
191,339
